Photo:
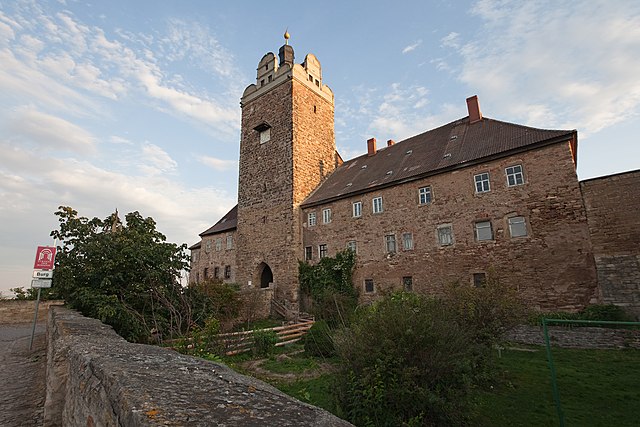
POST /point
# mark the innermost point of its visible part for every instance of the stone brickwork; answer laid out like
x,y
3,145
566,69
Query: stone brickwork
x,y
577,337
613,214
212,255
21,311
96,378
276,175
552,266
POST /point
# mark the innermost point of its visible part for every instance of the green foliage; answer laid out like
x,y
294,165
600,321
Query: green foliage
x,y
330,285
127,276
264,341
606,312
407,360
488,312
319,340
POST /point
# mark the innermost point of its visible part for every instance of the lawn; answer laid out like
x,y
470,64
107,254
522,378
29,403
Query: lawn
x,y
597,387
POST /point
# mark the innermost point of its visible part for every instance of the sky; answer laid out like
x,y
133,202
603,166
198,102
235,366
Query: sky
x,y
134,105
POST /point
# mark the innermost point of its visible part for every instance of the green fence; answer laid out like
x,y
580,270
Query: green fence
x,y
552,368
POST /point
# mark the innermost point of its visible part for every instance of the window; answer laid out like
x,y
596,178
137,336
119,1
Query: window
x,y
484,230
207,247
265,135
218,244
517,226
479,280
377,205
322,250
407,283
326,216
216,272
425,195
227,272
357,209
482,182
352,246
445,235
308,253
368,286
194,257
407,241
229,242
390,243
311,219
514,175
206,273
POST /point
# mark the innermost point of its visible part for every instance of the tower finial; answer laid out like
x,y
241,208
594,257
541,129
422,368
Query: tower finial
x,y
286,36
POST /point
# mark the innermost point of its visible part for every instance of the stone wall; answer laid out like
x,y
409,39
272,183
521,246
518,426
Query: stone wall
x,y
21,311
96,378
613,215
552,267
577,337
208,257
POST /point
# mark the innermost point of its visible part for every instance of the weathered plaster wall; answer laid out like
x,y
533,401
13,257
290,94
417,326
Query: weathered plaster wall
x,y
552,267
96,378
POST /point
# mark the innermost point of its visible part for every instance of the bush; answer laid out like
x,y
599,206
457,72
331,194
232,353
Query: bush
x,y
407,361
488,311
318,341
264,342
607,312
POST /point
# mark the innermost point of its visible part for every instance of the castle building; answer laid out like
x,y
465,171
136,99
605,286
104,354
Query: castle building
x,y
449,205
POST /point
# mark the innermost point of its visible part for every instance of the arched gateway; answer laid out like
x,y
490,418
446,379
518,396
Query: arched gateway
x,y
266,275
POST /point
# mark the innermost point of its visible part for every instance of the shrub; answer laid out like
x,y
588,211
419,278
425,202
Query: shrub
x,y
607,312
318,341
407,360
488,311
264,341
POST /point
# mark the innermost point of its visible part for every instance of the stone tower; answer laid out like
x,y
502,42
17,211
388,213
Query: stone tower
x,y
287,146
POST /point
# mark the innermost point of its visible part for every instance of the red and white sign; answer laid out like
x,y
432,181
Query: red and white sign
x,y
45,257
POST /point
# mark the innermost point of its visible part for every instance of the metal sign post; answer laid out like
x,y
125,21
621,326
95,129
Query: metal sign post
x,y
44,265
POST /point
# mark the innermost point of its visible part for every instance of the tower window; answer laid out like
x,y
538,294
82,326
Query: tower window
x,y
265,135
270,78
262,82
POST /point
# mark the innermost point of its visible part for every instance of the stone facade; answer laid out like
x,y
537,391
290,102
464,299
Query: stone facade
x,y
287,146
531,231
613,206
549,200
215,258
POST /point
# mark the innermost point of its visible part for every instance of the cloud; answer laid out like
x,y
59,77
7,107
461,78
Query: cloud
x,y
156,160
411,47
451,40
544,73
219,164
49,132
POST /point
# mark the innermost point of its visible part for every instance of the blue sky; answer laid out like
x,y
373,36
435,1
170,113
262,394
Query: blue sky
x,y
135,104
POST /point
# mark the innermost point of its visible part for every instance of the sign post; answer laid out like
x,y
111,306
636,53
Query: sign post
x,y
43,272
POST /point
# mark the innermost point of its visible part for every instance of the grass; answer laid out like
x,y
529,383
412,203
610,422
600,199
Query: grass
x,y
597,388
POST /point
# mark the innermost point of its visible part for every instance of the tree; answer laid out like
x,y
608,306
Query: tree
x,y
126,275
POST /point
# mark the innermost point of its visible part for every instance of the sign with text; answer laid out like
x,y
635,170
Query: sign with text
x,y
42,274
41,283
45,257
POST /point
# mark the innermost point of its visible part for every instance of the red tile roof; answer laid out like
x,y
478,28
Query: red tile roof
x,y
226,223
454,145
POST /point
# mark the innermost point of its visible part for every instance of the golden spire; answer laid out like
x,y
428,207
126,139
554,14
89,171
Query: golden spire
x,y
286,36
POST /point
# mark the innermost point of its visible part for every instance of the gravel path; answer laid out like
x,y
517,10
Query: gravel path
x,y
22,375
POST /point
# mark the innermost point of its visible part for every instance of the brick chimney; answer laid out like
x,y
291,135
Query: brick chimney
x,y
390,142
371,146
474,109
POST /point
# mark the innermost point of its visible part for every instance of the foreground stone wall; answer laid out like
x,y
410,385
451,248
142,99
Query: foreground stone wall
x,y
613,206
22,311
96,378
